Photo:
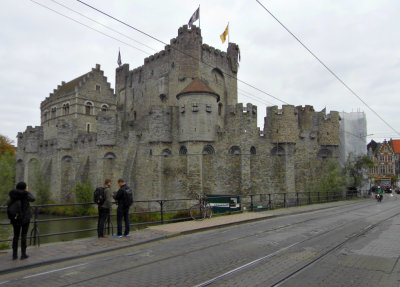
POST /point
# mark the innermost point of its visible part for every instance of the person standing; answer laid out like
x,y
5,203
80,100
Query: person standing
x,y
104,208
20,214
124,200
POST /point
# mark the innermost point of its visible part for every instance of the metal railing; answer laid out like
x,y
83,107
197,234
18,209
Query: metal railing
x,y
177,210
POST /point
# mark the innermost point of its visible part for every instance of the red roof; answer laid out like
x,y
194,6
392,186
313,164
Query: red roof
x,y
197,86
396,146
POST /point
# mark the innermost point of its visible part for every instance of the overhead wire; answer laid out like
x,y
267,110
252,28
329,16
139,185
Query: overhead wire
x,y
105,26
244,93
327,68
178,50
91,28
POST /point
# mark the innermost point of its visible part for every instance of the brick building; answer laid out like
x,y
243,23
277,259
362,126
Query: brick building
x,y
383,156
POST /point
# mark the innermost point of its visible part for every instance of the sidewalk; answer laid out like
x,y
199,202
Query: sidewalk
x,y
60,251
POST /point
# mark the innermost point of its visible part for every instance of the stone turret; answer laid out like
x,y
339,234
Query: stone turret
x,y
328,128
305,114
281,125
28,141
188,43
198,110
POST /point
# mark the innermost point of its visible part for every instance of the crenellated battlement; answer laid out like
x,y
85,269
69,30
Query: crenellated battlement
x,y
28,141
158,56
73,86
286,110
328,128
214,51
249,110
281,125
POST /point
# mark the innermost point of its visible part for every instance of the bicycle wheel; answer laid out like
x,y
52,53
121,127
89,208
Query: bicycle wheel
x,y
197,212
209,211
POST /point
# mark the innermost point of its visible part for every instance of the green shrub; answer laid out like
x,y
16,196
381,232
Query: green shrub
x,y
7,175
84,193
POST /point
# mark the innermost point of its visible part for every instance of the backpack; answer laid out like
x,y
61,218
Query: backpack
x,y
14,210
99,196
128,197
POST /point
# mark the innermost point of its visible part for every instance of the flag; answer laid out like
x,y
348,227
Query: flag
x,y
119,62
223,35
195,17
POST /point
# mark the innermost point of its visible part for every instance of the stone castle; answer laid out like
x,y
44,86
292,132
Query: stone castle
x,y
173,128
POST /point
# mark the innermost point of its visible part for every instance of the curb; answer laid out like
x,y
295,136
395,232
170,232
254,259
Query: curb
x,y
38,264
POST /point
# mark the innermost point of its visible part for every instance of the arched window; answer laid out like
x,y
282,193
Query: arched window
x,y
67,158
208,149
278,150
218,76
46,115
163,98
104,108
324,153
88,108
88,127
252,150
219,109
166,152
235,150
66,108
53,112
110,155
183,150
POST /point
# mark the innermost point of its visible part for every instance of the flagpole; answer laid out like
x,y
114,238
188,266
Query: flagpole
x,y
228,33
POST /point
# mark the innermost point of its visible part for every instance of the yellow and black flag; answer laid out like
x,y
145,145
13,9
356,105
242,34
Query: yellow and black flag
x,y
225,34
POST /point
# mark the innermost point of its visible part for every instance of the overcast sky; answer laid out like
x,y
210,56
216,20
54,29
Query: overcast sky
x,y
358,40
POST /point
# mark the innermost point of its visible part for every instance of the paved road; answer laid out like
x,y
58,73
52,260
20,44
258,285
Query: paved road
x,y
350,245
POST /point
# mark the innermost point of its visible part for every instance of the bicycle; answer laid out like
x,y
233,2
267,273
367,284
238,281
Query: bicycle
x,y
201,210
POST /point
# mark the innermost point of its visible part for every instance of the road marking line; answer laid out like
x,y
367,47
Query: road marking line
x,y
246,265
52,271
4,282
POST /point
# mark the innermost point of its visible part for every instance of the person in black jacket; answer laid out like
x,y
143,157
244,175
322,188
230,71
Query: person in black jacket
x,y
123,208
104,209
21,223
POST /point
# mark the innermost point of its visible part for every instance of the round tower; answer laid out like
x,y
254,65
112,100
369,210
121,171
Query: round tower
x,y
198,112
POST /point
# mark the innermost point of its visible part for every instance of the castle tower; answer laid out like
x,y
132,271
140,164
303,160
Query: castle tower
x,y
281,125
188,50
198,106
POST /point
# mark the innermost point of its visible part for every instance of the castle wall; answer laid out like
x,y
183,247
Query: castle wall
x,y
167,147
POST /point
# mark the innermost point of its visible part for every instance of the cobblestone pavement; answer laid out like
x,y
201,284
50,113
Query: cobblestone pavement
x,y
53,252
259,253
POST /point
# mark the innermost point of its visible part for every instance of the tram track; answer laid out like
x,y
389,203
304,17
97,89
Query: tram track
x,y
201,248
330,250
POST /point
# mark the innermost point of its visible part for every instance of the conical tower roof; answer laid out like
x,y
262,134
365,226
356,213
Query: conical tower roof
x,y
197,86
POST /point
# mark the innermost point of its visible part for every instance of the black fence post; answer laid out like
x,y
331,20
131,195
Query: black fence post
x,y
34,232
319,198
327,196
284,200
161,202
108,223
251,202
269,201
309,197
297,199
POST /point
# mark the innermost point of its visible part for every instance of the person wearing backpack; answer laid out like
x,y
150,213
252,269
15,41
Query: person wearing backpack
x,y
103,198
124,200
20,213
